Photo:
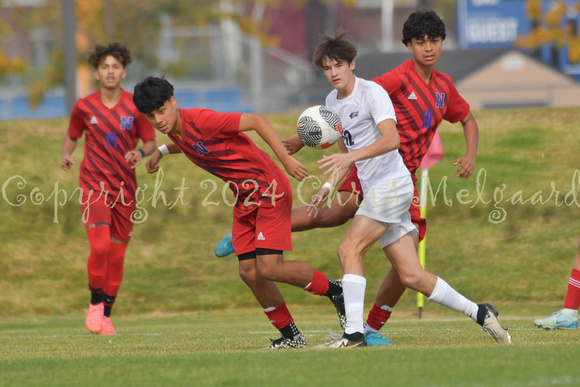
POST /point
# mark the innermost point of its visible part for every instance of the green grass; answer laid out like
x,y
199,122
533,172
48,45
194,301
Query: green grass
x,y
207,348
185,317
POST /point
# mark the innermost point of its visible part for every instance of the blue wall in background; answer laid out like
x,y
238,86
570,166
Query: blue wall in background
x,y
54,105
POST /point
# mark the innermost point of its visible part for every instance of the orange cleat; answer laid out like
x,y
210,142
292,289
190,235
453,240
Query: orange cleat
x,y
94,321
108,328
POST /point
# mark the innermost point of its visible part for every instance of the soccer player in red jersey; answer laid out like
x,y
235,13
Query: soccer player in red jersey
x,y
261,225
112,127
422,97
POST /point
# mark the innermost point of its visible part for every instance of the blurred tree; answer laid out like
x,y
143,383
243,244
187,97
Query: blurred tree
x,y
137,24
547,30
8,65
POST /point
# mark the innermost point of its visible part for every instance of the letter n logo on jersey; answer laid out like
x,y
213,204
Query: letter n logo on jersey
x,y
440,100
200,148
126,123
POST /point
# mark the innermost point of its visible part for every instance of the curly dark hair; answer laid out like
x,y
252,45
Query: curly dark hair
x,y
336,48
116,50
421,23
151,93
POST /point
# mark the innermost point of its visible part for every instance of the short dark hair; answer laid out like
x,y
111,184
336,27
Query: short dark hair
x,y
337,47
116,50
421,23
151,93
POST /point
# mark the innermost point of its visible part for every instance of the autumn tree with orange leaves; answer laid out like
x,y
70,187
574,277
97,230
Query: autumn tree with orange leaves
x,y
547,30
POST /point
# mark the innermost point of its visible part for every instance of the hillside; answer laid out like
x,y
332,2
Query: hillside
x,y
506,235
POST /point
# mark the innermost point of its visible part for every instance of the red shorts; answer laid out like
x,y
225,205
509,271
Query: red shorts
x,y
263,227
118,218
351,183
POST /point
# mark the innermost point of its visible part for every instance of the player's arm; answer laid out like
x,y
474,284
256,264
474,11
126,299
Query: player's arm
x,y
135,157
68,147
293,144
466,164
388,141
262,126
152,164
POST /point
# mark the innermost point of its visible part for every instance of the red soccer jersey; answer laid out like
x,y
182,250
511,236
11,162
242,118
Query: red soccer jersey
x,y
109,135
420,108
212,141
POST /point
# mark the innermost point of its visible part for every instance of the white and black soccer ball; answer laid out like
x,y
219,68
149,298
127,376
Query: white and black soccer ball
x,y
318,127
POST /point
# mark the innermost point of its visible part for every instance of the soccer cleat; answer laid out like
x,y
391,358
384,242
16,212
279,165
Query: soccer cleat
x,y
108,328
299,341
338,302
94,320
559,320
487,318
375,339
355,340
224,247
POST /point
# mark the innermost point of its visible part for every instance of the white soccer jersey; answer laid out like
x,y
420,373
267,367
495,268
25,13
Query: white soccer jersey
x,y
360,112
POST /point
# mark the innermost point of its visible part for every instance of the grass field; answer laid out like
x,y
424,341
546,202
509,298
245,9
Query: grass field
x,y
207,348
507,236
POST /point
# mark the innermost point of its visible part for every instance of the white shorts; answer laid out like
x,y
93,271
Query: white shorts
x,y
389,202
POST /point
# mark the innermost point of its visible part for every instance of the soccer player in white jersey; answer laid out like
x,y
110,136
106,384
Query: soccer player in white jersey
x,y
371,141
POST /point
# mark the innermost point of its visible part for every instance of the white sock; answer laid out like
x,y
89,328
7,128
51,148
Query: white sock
x,y
570,312
445,295
353,287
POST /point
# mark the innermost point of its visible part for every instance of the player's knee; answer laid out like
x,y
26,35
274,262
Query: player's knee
x,y
342,252
347,251
411,281
248,274
100,250
271,271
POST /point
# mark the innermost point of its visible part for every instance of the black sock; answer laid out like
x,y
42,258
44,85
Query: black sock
x,y
96,298
96,295
334,289
289,331
107,312
109,301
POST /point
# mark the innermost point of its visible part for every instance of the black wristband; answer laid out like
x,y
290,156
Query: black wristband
x,y
142,152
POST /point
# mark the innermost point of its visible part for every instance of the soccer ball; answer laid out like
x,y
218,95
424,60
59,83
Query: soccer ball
x,y
318,127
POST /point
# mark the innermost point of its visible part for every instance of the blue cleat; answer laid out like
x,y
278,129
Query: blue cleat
x,y
375,339
562,319
224,247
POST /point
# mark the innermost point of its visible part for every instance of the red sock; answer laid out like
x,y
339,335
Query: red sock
x,y
378,317
573,295
280,317
319,284
99,241
115,261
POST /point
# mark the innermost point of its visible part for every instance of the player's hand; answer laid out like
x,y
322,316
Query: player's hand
x,y
152,163
335,163
293,144
295,168
66,162
318,201
134,158
465,166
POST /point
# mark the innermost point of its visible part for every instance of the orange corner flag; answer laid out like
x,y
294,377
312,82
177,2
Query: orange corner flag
x,y
434,154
